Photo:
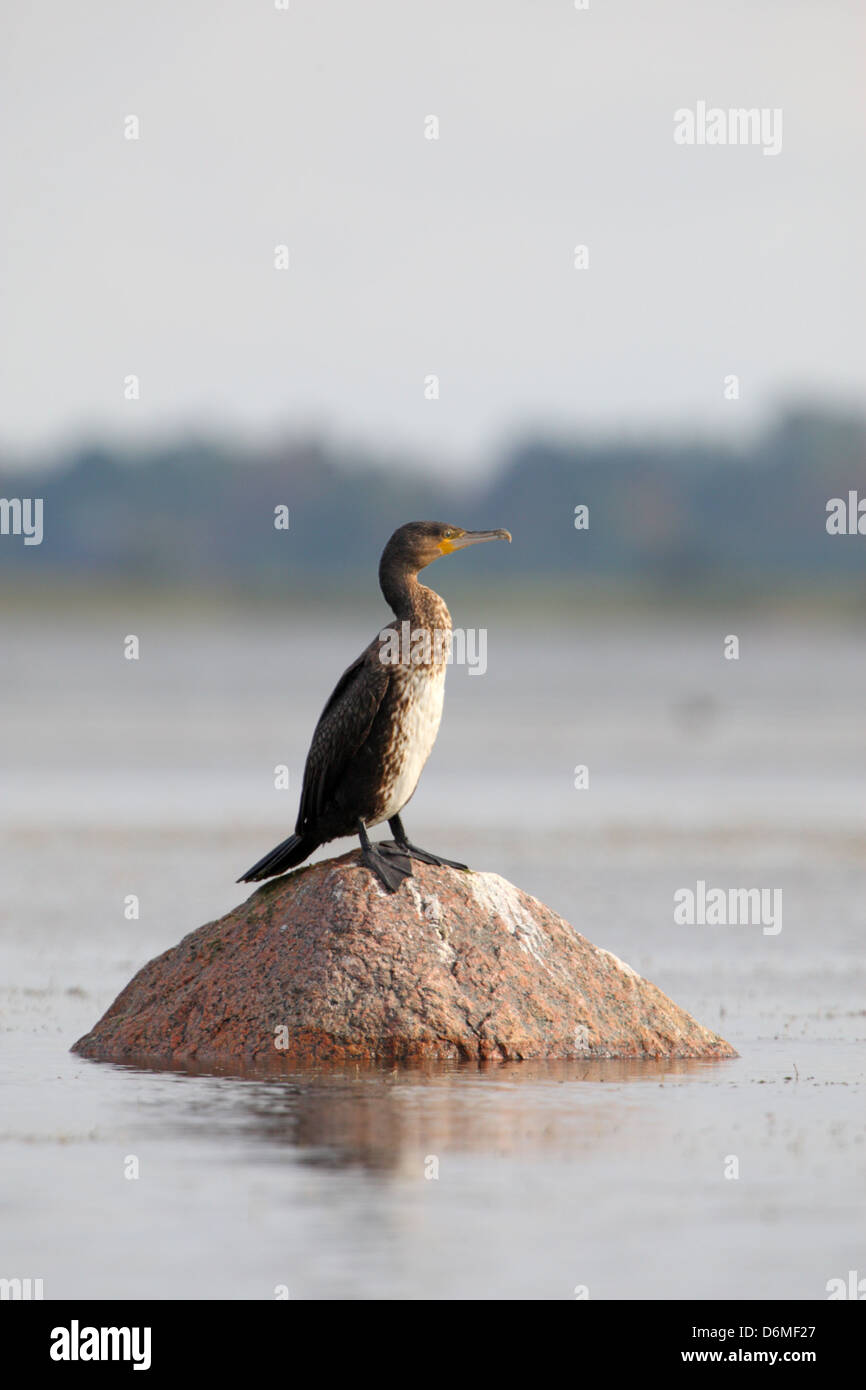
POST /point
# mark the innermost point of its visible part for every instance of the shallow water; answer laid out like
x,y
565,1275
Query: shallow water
x,y
156,779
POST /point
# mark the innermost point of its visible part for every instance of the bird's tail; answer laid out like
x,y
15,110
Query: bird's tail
x,y
292,851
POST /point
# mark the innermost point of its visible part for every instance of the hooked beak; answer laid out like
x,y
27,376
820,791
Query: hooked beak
x,y
473,537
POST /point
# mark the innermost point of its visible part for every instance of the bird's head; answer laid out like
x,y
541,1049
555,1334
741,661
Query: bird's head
x,y
419,543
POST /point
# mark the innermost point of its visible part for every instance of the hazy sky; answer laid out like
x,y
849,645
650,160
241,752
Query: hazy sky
x,y
411,256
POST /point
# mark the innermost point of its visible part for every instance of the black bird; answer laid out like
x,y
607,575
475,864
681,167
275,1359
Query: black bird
x,y
377,730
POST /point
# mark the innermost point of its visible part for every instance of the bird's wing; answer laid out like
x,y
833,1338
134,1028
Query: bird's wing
x,y
342,728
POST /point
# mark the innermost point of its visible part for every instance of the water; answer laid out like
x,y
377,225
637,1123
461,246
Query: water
x,y
518,1181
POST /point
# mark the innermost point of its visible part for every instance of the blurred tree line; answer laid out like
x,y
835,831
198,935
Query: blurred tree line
x,y
682,518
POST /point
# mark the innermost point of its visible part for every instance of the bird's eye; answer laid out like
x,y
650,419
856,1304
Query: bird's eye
x,y
448,534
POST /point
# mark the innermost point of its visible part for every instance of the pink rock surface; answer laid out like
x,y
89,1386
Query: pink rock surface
x,y
322,964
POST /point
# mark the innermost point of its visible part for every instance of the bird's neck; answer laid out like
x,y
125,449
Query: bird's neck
x,y
412,601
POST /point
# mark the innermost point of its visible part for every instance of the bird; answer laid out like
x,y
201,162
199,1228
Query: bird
x,y
378,728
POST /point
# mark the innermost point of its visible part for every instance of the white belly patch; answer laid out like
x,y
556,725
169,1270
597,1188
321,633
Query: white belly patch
x,y
418,727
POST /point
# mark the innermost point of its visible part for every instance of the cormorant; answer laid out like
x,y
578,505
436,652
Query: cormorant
x,y
377,730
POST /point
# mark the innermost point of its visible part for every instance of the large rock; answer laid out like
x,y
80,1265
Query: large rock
x,y
322,964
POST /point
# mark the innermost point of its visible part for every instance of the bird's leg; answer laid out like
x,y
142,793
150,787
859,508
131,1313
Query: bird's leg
x,y
404,845
390,871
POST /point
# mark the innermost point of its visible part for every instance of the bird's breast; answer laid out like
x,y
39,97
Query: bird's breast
x,y
417,711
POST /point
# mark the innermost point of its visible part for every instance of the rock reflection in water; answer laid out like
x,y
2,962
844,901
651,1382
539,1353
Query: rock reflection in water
x,y
389,1120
